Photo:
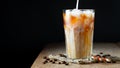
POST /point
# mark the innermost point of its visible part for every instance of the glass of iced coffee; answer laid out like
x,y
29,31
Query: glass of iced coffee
x,y
78,28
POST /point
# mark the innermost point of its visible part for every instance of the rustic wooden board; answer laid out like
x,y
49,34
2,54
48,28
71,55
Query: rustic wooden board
x,y
56,48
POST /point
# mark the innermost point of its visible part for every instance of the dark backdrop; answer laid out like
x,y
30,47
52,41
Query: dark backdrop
x,y
29,25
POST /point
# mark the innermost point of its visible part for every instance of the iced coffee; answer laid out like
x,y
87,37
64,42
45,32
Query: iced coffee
x,y
78,28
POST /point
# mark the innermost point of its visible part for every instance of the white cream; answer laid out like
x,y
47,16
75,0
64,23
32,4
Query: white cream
x,y
76,12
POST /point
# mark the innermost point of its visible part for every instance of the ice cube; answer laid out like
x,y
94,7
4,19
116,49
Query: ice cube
x,y
67,12
89,12
76,12
67,17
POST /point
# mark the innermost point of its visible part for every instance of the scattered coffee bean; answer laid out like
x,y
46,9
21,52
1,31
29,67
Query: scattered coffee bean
x,y
47,59
96,59
113,61
44,57
45,62
62,55
102,60
103,56
99,58
66,63
106,55
101,52
55,59
108,60
63,62
53,62
59,62
98,55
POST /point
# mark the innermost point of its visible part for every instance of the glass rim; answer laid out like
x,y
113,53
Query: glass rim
x,y
93,10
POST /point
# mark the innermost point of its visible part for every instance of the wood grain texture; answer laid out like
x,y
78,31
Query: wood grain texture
x,y
56,48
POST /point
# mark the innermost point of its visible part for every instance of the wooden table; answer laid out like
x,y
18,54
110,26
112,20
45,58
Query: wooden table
x,y
56,48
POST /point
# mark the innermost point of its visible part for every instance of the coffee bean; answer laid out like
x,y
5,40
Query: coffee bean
x,y
106,55
45,62
63,62
108,60
98,55
103,56
53,62
96,59
100,59
59,62
101,52
113,61
47,59
62,55
55,59
50,60
66,63
44,57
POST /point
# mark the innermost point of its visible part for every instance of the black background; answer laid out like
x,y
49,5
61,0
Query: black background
x,y
29,25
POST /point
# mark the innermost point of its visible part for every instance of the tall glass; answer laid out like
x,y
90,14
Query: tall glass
x,y
78,28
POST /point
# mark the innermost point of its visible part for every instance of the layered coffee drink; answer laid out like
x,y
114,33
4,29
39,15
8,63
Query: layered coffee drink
x,y
78,28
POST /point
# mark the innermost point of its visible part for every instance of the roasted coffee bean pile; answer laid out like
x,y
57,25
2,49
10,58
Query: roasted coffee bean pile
x,y
62,59
54,60
102,58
